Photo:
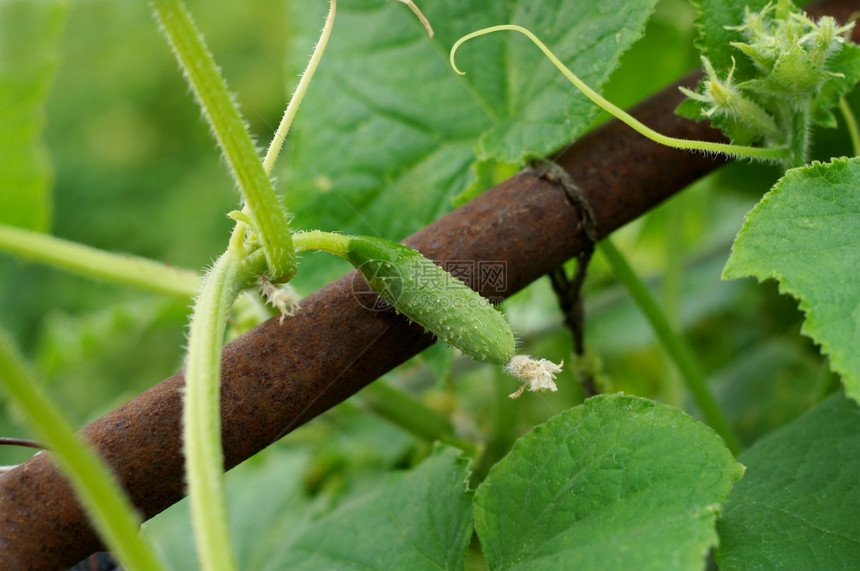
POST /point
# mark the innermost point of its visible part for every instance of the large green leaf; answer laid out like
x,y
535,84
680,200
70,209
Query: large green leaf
x,y
29,34
805,233
797,506
388,133
421,519
620,482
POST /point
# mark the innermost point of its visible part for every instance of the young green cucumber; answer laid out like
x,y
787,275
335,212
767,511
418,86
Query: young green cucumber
x,y
433,298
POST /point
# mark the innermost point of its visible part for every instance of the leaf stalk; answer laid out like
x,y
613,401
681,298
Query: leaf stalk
x,y
674,344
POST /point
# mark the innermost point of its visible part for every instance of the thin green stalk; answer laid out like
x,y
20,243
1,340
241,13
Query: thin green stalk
x,y
674,344
407,412
204,459
419,15
336,244
270,220
672,386
851,124
298,95
775,154
98,264
110,511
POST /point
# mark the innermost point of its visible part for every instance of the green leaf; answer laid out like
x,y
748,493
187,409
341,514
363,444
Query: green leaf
x,y
797,506
619,482
421,519
389,133
269,496
768,385
258,524
846,67
805,233
29,36
715,16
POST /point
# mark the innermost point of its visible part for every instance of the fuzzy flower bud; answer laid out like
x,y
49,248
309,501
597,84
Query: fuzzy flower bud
x,y
536,375
284,297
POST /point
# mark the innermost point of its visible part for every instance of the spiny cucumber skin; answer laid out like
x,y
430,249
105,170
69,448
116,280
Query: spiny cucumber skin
x,y
453,312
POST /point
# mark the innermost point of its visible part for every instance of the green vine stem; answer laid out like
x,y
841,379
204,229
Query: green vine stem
x,y
330,242
405,411
299,94
672,385
92,262
419,15
204,462
270,221
102,497
675,345
769,154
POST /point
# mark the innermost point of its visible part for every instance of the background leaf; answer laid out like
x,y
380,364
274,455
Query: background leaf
x,y
714,38
388,132
280,494
805,233
797,506
421,519
267,507
619,482
29,35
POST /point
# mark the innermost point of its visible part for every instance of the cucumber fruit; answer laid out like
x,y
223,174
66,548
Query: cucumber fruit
x,y
433,298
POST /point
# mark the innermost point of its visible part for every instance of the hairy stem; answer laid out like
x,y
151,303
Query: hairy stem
x,y
270,219
298,95
674,344
772,154
204,463
110,511
92,262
